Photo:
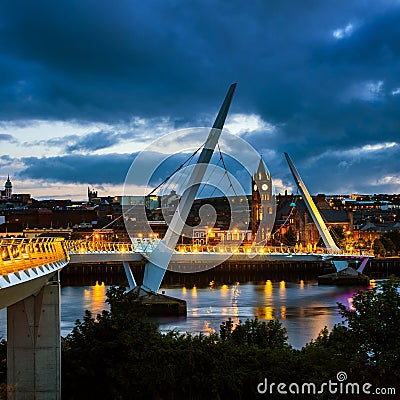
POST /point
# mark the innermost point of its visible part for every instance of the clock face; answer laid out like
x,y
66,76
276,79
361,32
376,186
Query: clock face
x,y
255,187
264,186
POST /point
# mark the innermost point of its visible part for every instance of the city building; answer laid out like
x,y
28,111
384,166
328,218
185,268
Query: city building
x,y
293,215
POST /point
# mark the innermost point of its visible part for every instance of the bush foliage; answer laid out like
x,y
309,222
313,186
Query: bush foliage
x,y
121,355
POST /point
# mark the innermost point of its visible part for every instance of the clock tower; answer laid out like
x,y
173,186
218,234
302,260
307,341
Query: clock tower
x,y
263,204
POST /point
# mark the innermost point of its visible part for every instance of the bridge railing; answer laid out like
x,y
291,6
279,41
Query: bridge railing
x,y
147,245
20,254
260,250
85,246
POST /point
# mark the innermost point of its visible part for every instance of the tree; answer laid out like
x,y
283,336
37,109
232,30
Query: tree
x,y
365,345
387,244
369,342
394,236
269,334
113,355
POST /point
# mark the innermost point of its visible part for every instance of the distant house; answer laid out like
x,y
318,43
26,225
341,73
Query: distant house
x,y
373,230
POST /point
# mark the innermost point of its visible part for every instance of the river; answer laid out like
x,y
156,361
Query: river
x,y
302,306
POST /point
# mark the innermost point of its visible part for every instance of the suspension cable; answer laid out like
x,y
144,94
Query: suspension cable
x,y
178,169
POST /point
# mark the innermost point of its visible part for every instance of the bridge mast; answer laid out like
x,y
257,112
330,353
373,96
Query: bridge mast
x,y
161,255
312,208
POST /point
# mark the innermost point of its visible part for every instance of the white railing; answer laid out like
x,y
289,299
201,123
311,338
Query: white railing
x,y
21,254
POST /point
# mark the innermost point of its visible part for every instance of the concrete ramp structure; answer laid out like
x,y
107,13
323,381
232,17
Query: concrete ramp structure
x,y
30,289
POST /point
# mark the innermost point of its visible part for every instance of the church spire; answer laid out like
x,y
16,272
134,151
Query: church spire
x,y
8,188
261,173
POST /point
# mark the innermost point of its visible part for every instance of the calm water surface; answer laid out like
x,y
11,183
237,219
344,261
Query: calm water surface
x,y
304,308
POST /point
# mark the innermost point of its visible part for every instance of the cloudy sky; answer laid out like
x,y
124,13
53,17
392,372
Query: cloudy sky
x,y
87,84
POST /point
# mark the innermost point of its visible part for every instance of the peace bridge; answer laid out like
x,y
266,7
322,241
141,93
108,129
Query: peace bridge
x,y
27,264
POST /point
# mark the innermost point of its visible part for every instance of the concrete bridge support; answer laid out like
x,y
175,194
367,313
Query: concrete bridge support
x,y
34,346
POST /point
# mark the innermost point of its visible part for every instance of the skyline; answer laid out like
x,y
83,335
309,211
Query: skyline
x,y
85,86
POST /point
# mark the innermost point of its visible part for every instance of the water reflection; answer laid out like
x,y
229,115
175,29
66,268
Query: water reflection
x,y
268,289
304,308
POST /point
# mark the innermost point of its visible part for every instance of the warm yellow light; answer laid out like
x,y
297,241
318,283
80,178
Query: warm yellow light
x,y
224,287
372,283
269,313
268,288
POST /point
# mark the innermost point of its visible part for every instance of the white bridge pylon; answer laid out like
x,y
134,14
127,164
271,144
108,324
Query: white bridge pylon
x,y
160,257
312,208
327,238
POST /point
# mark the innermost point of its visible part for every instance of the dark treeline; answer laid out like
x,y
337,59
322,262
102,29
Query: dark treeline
x,y
121,355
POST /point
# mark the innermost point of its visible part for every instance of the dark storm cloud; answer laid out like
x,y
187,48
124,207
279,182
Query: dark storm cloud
x,y
5,137
89,142
94,60
95,169
94,141
113,168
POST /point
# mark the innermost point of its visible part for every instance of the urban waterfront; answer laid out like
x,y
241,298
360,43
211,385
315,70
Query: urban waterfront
x,y
303,307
